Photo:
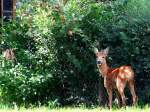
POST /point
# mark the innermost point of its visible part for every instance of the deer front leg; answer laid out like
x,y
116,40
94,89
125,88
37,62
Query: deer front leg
x,y
109,91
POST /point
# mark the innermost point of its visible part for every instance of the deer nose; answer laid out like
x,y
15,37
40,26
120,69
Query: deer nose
x,y
98,62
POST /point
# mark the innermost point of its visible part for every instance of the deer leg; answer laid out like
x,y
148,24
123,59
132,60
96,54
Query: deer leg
x,y
120,86
132,90
109,91
118,98
123,98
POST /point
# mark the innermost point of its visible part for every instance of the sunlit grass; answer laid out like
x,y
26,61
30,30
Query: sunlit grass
x,y
75,109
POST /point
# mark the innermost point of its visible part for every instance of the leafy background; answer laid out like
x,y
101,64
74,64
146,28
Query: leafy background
x,y
57,68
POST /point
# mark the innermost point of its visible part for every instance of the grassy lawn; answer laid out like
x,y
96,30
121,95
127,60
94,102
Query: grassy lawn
x,y
69,109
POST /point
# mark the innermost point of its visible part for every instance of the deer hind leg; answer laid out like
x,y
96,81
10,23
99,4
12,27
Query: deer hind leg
x,y
132,90
123,97
120,86
118,98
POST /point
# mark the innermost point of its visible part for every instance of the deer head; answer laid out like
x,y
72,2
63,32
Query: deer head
x,y
101,56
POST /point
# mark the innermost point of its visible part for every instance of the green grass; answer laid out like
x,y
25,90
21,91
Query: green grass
x,y
75,109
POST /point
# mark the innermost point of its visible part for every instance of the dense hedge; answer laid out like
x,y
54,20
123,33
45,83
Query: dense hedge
x,y
54,50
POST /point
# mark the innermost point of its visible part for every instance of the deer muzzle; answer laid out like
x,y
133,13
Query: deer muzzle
x,y
98,62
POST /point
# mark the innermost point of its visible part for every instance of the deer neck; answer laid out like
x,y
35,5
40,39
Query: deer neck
x,y
103,68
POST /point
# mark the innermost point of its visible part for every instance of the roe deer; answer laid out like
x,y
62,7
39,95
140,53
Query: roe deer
x,y
8,54
115,78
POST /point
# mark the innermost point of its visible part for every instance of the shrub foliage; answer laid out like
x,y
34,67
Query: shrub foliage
x,y
54,43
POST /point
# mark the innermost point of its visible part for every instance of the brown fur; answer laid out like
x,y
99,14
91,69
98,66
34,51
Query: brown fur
x,y
8,54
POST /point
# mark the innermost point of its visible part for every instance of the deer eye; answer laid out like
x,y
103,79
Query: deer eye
x,y
103,57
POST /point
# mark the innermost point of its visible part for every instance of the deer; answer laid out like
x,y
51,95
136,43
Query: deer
x,y
116,79
8,54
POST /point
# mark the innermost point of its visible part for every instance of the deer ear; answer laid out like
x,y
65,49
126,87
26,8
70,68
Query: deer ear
x,y
106,51
95,50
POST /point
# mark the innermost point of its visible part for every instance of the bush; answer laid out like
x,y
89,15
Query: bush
x,y
118,25
54,50
33,78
